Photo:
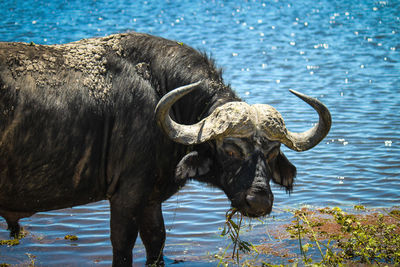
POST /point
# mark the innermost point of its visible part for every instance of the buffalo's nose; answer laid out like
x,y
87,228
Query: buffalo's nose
x,y
259,204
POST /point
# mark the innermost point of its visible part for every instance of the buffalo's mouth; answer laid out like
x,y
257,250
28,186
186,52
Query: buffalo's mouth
x,y
253,204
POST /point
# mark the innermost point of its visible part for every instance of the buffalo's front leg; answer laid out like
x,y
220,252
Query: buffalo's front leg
x,y
152,233
124,230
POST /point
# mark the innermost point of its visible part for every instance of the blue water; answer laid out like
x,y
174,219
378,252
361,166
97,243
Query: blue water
x,y
345,53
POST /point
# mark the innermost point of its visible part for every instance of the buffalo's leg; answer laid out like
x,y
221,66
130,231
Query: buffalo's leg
x,y
14,228
152,233
124,230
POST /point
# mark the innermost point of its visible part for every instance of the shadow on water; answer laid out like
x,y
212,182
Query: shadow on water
x,y
345,53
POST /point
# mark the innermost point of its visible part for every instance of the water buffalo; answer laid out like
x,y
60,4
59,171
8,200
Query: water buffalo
x,y
130,118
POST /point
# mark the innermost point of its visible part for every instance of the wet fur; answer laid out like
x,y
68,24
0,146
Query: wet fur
x,y
61,145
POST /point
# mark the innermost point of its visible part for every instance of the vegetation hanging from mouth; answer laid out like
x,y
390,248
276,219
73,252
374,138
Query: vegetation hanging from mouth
x,y
232,229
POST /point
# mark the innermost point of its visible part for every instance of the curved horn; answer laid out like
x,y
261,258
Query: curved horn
x,y
230,119
308,139
183,134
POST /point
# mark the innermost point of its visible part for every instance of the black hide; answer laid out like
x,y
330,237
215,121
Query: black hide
x,y
77,126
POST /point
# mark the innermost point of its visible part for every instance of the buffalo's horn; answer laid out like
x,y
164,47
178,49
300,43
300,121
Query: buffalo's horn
x,y
197,133
183,134
234,119
310,138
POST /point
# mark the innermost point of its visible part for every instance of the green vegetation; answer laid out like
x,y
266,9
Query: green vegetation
x,y
15,241
71,237
321,237
232,229
32,259
369,238
326,237
10,242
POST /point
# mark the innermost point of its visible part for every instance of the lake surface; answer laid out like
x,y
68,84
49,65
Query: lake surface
x,y
345,53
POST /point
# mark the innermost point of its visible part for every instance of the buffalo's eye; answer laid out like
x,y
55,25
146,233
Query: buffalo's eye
x,y
233,151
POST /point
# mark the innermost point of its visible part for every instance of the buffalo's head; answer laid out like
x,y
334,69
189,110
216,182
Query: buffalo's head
x,y
239,148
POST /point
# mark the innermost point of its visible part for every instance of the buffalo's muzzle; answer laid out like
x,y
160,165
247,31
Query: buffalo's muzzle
x,y
259,204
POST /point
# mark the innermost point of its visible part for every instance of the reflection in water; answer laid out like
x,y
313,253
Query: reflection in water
x,y
345,53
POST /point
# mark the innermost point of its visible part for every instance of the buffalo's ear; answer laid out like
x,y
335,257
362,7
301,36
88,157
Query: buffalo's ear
x,y
283,172
193,165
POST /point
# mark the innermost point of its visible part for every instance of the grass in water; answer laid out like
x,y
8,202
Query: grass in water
x,y
326,237
363,237
232,229
71,237
14,241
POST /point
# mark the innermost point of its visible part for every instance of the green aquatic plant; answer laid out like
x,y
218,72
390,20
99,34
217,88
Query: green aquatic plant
x,y
359,207
306,230
71,237
14,241
10,242
326,237
32,259
367,238
370,243
232,229
395,214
